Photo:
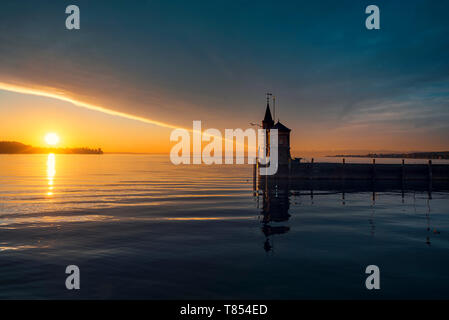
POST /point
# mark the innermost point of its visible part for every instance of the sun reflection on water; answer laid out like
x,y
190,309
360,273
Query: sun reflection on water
x,y
51,171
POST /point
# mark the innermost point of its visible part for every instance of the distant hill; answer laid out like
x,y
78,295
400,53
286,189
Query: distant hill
x,y
413,155
13,147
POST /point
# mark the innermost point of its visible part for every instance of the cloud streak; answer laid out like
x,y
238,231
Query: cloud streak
x,y
37,92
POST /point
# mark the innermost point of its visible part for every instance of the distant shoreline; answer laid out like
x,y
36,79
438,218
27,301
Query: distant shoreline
x,y
443,155
13,147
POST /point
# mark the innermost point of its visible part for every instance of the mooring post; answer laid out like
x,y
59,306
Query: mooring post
x,y
343,169
430,179
402,179
403,170
311,169
289,167
311,177
374,169
254,176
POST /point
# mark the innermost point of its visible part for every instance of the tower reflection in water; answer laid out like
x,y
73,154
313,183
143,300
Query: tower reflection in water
x,y
275,206
275,195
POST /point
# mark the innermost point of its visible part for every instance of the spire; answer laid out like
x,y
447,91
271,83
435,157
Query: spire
x,y
268,117
268,122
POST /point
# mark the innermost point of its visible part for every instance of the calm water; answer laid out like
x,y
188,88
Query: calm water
x,y
139,227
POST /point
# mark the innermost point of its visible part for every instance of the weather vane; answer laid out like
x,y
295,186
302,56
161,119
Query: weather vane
x,y
268,96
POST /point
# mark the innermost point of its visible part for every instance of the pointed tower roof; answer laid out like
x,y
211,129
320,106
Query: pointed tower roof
x,y
268,118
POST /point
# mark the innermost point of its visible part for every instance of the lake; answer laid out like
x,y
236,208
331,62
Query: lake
x,y
139,227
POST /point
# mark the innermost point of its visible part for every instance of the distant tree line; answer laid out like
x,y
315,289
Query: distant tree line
x,y
13,147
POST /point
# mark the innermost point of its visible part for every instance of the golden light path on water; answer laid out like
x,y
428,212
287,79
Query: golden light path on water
x,y
51,171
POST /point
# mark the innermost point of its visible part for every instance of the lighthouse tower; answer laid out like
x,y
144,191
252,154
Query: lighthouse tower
x,y
268,124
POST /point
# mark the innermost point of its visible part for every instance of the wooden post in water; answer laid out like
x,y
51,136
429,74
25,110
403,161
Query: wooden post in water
x,y
311,169
403,171
255,176
430,179
403,179
289,167
374,169
343,169
311,177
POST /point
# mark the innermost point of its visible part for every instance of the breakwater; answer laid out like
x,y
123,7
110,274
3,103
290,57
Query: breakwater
x,y
363,171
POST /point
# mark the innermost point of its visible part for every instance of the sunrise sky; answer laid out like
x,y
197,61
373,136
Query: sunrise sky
x,y
136,70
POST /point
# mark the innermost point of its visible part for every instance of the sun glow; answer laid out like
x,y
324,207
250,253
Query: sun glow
x,y
51,139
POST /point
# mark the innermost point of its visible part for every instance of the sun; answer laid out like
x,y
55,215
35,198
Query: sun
x,y
51,138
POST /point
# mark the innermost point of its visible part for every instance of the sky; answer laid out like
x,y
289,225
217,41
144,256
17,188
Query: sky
x,y
137,69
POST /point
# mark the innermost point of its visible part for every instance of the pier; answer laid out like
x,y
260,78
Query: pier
x,y
294,169
364,171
